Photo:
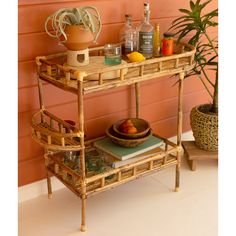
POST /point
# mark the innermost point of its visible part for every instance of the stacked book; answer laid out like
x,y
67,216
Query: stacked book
x,y
119,156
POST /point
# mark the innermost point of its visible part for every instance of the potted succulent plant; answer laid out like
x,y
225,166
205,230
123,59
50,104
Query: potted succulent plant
x,y
194,24
76,28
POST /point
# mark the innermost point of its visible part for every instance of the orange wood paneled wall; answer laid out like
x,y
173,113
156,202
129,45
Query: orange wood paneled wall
x,y
158,99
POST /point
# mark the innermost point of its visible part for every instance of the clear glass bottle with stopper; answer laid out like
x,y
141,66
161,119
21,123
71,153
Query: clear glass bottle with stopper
x,y
145,34
128,36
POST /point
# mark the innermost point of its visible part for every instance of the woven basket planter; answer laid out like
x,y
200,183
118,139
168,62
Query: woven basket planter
x,y
205,127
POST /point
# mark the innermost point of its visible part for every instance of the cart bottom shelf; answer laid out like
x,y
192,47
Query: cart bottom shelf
x,y
111,177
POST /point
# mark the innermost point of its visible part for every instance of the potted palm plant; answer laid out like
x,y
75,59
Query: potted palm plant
x,y
194,24
76,28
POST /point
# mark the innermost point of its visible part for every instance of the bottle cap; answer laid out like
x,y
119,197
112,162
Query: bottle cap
x,y
128,16
168,35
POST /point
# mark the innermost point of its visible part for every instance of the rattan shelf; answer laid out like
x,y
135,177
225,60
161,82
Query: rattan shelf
x,y
95,183
53,69
58,137
54,133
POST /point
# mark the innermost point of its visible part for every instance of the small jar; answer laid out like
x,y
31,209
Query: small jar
x,y
167,44
112,53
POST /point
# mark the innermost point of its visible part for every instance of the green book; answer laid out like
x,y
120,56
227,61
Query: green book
x,y
124,153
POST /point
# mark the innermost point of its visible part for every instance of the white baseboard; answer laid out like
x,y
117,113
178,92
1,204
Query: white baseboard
x,y
185,136
33,190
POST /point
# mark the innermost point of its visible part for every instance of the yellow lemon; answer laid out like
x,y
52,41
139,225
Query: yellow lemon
x,y
136,56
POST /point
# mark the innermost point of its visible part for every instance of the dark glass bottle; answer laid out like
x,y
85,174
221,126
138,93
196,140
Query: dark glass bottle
x,y
128,36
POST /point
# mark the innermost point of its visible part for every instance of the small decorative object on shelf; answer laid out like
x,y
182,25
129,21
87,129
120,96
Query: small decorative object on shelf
x,y
128,36
94,162
126,142
167,44
135,57
76,28
124,153
145,34
131,128
72,159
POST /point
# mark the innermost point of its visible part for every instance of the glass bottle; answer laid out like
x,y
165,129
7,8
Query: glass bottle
x,y
145,34
156,41
128,36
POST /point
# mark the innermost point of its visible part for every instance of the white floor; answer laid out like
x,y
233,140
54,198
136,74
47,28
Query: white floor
x,y
147,206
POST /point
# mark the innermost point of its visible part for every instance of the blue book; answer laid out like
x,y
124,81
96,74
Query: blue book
x,y
124,153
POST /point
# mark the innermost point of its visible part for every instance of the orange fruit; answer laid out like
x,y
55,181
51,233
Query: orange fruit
x,y
132,130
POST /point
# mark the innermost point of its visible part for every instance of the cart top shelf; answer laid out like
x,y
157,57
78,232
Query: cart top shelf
x,y
96,76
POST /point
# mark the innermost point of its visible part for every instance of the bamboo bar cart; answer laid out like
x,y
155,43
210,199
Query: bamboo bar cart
x,y
59,137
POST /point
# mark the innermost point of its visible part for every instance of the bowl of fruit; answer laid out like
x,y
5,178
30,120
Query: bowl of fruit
x,y
131,128
126,142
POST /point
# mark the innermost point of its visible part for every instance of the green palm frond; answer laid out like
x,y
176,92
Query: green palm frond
x,y
193,24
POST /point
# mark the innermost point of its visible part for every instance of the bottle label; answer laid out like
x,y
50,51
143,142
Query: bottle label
x,y
167,47
130,43
146,42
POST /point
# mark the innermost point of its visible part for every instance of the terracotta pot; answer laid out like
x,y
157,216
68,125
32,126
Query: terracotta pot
x,y
78,38
204,125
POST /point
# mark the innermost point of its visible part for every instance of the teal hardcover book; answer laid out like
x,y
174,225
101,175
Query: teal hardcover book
x,y
123,153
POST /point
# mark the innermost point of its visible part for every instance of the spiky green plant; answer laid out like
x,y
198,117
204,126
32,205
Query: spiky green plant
x,y
87,16
194,25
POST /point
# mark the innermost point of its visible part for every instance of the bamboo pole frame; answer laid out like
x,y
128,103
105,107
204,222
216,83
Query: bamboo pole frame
x,y
179,129
82,152
49,184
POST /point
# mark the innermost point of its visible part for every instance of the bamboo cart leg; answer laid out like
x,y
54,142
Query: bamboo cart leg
x,y
82,152
41,102
49,184
83,206
179,130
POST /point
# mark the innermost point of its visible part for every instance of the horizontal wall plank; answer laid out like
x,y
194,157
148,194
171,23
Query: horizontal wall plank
x,y
41,2
36,44
29,98
105,104
163,88
154,112
168,128
31,170
27,74
110,11
28,149
40,44
166,109
32,45
101,104
96,125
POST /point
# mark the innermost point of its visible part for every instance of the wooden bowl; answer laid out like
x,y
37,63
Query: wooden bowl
x,y
141,125
126,142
